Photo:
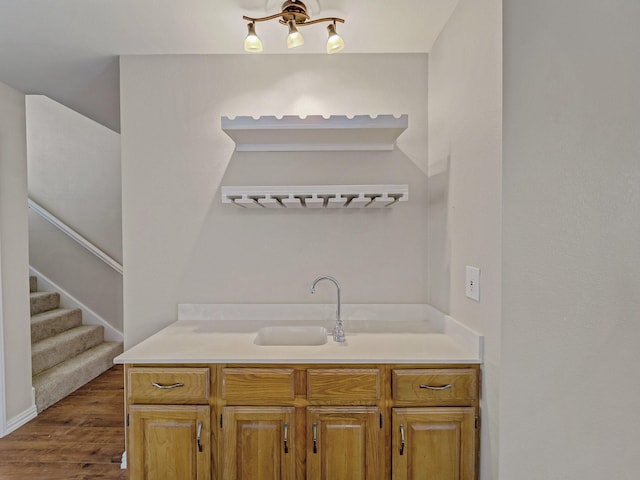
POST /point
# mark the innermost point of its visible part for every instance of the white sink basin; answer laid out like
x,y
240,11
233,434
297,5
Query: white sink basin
x,y
298,335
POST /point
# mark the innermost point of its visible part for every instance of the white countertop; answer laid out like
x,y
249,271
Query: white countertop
x,y
232,341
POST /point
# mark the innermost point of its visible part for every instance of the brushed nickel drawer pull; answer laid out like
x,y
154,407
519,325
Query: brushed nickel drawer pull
x,y
431,387
315,438
402,439
286,437
198,436
167,387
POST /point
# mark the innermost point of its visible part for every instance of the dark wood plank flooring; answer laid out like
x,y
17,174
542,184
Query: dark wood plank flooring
x,y
80,437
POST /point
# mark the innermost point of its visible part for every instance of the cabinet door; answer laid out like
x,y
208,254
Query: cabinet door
x,y
169,442
344,443
436,443
258,443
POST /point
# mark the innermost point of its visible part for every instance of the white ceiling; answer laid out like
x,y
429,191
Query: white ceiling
x,y
68,49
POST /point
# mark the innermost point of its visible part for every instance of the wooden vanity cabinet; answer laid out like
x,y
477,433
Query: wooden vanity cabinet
x,y
258,438
297,422
258,443
433,443
301,422
434,424
163,442
344,443
169,423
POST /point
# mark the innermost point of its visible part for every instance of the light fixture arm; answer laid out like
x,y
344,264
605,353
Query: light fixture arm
x,y
298,24
318,20
264,19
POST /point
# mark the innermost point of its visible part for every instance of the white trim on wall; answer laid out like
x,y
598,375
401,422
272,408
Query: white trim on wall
x,y
22,418
3,406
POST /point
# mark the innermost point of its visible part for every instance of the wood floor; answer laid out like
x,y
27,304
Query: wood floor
x,y
80,437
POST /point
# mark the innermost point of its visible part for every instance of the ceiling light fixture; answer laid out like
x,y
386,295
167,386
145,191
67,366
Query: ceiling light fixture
x,y
294,15
295,38
252,43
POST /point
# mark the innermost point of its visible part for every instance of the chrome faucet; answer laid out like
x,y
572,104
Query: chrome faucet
x,y
338,332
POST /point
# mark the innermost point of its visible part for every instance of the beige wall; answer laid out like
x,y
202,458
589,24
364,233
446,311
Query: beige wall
x,y
571,257
181,245
74,173
14,282
465,163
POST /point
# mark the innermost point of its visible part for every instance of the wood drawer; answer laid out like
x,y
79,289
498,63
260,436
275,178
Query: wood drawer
x,y
258,386
175,385
343,385
425,386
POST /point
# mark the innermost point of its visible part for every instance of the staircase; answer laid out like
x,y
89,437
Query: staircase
x,y
65,354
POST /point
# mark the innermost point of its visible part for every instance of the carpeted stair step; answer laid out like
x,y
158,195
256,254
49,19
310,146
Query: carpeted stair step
x,y
44,301
57,382
33,284
51,351
53,322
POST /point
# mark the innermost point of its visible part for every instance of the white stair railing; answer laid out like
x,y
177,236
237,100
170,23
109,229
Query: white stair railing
x,y
71,233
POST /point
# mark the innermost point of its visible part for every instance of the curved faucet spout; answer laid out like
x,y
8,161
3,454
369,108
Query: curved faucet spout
x,y
338,332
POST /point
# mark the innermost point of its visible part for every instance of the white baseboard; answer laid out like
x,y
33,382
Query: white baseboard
x,y
123,462
22,418
89,317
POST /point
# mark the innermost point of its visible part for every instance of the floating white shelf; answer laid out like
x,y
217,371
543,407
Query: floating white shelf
x,y
291,133
316,196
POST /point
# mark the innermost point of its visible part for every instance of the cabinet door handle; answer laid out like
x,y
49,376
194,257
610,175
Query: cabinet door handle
x,y
167,387
432,387
286,438
198,436
402,439
315,438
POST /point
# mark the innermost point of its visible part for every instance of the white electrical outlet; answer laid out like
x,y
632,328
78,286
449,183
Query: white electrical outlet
x,y
473,283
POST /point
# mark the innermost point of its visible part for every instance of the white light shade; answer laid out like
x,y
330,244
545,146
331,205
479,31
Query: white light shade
x,y
295,38
335,42
252,43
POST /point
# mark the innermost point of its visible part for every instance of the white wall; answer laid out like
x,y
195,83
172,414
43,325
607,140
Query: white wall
x,y
15,335
181,245
73,269
571,257
465,187
74,173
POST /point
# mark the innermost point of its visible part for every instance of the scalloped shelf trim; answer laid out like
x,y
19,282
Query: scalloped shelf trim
x,y
292,133
316,196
